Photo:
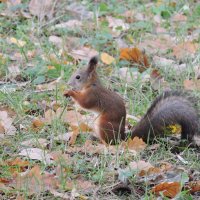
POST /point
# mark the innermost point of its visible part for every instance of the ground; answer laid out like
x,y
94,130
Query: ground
x,y
144,48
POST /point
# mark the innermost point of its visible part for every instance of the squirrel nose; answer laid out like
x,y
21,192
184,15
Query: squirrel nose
x,y
69,83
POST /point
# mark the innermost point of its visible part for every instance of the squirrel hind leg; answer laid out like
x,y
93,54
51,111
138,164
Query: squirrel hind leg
x,y
111,132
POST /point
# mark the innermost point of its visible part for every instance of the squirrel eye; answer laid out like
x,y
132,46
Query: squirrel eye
x,y
78,77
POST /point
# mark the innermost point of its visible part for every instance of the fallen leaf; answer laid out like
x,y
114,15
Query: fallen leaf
x,y
165,166
134,55
136,144
2,129
49,116
16,165
117,24
36,154
107,59
6,124
34,182
64,195
140,165
13,71
48,86
193,186
168,189
192,84
41,8
80,11
34,142
19,197
37,124
179,18
58,156
150,171
64,137
19,43
197,71
57,41
157,45
83,53
168,65
72,24
72,117
185,49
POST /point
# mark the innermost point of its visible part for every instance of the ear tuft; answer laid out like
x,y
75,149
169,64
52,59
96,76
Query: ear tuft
x,y
92,64
93,60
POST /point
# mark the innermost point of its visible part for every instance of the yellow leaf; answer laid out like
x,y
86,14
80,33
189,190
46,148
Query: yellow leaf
x,y
19,43
107,59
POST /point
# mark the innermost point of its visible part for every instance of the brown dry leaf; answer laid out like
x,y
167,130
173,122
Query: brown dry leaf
x,y
6,124
136,144
76,130
80,184
36,154
157,45
49,116
72,24
80,11
17,165
107,59
83,53
88,147
157,81
72,117
168,189
41,8
57,41
64,137
4,188
129,16
48,86
185,49
197,71
165,166
136,56
34,142
163,63
150,171
2,129
115,24
13,71
34,182
192,84
37,124
59,194
193,186
58,155
19,197
179,18
140,165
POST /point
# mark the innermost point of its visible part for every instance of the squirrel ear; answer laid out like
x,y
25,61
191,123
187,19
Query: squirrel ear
x,y
92,64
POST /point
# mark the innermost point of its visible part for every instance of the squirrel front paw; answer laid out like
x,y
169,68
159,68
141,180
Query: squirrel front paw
x,y
68,93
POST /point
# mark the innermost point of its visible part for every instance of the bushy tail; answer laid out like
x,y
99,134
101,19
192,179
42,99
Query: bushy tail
x,y
168,109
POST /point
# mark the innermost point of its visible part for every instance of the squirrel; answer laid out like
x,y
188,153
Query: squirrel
x,y
169,108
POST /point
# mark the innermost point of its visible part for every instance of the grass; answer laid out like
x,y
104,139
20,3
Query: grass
x,y
99,169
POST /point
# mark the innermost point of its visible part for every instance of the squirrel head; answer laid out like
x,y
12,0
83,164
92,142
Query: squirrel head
x,y
85,77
